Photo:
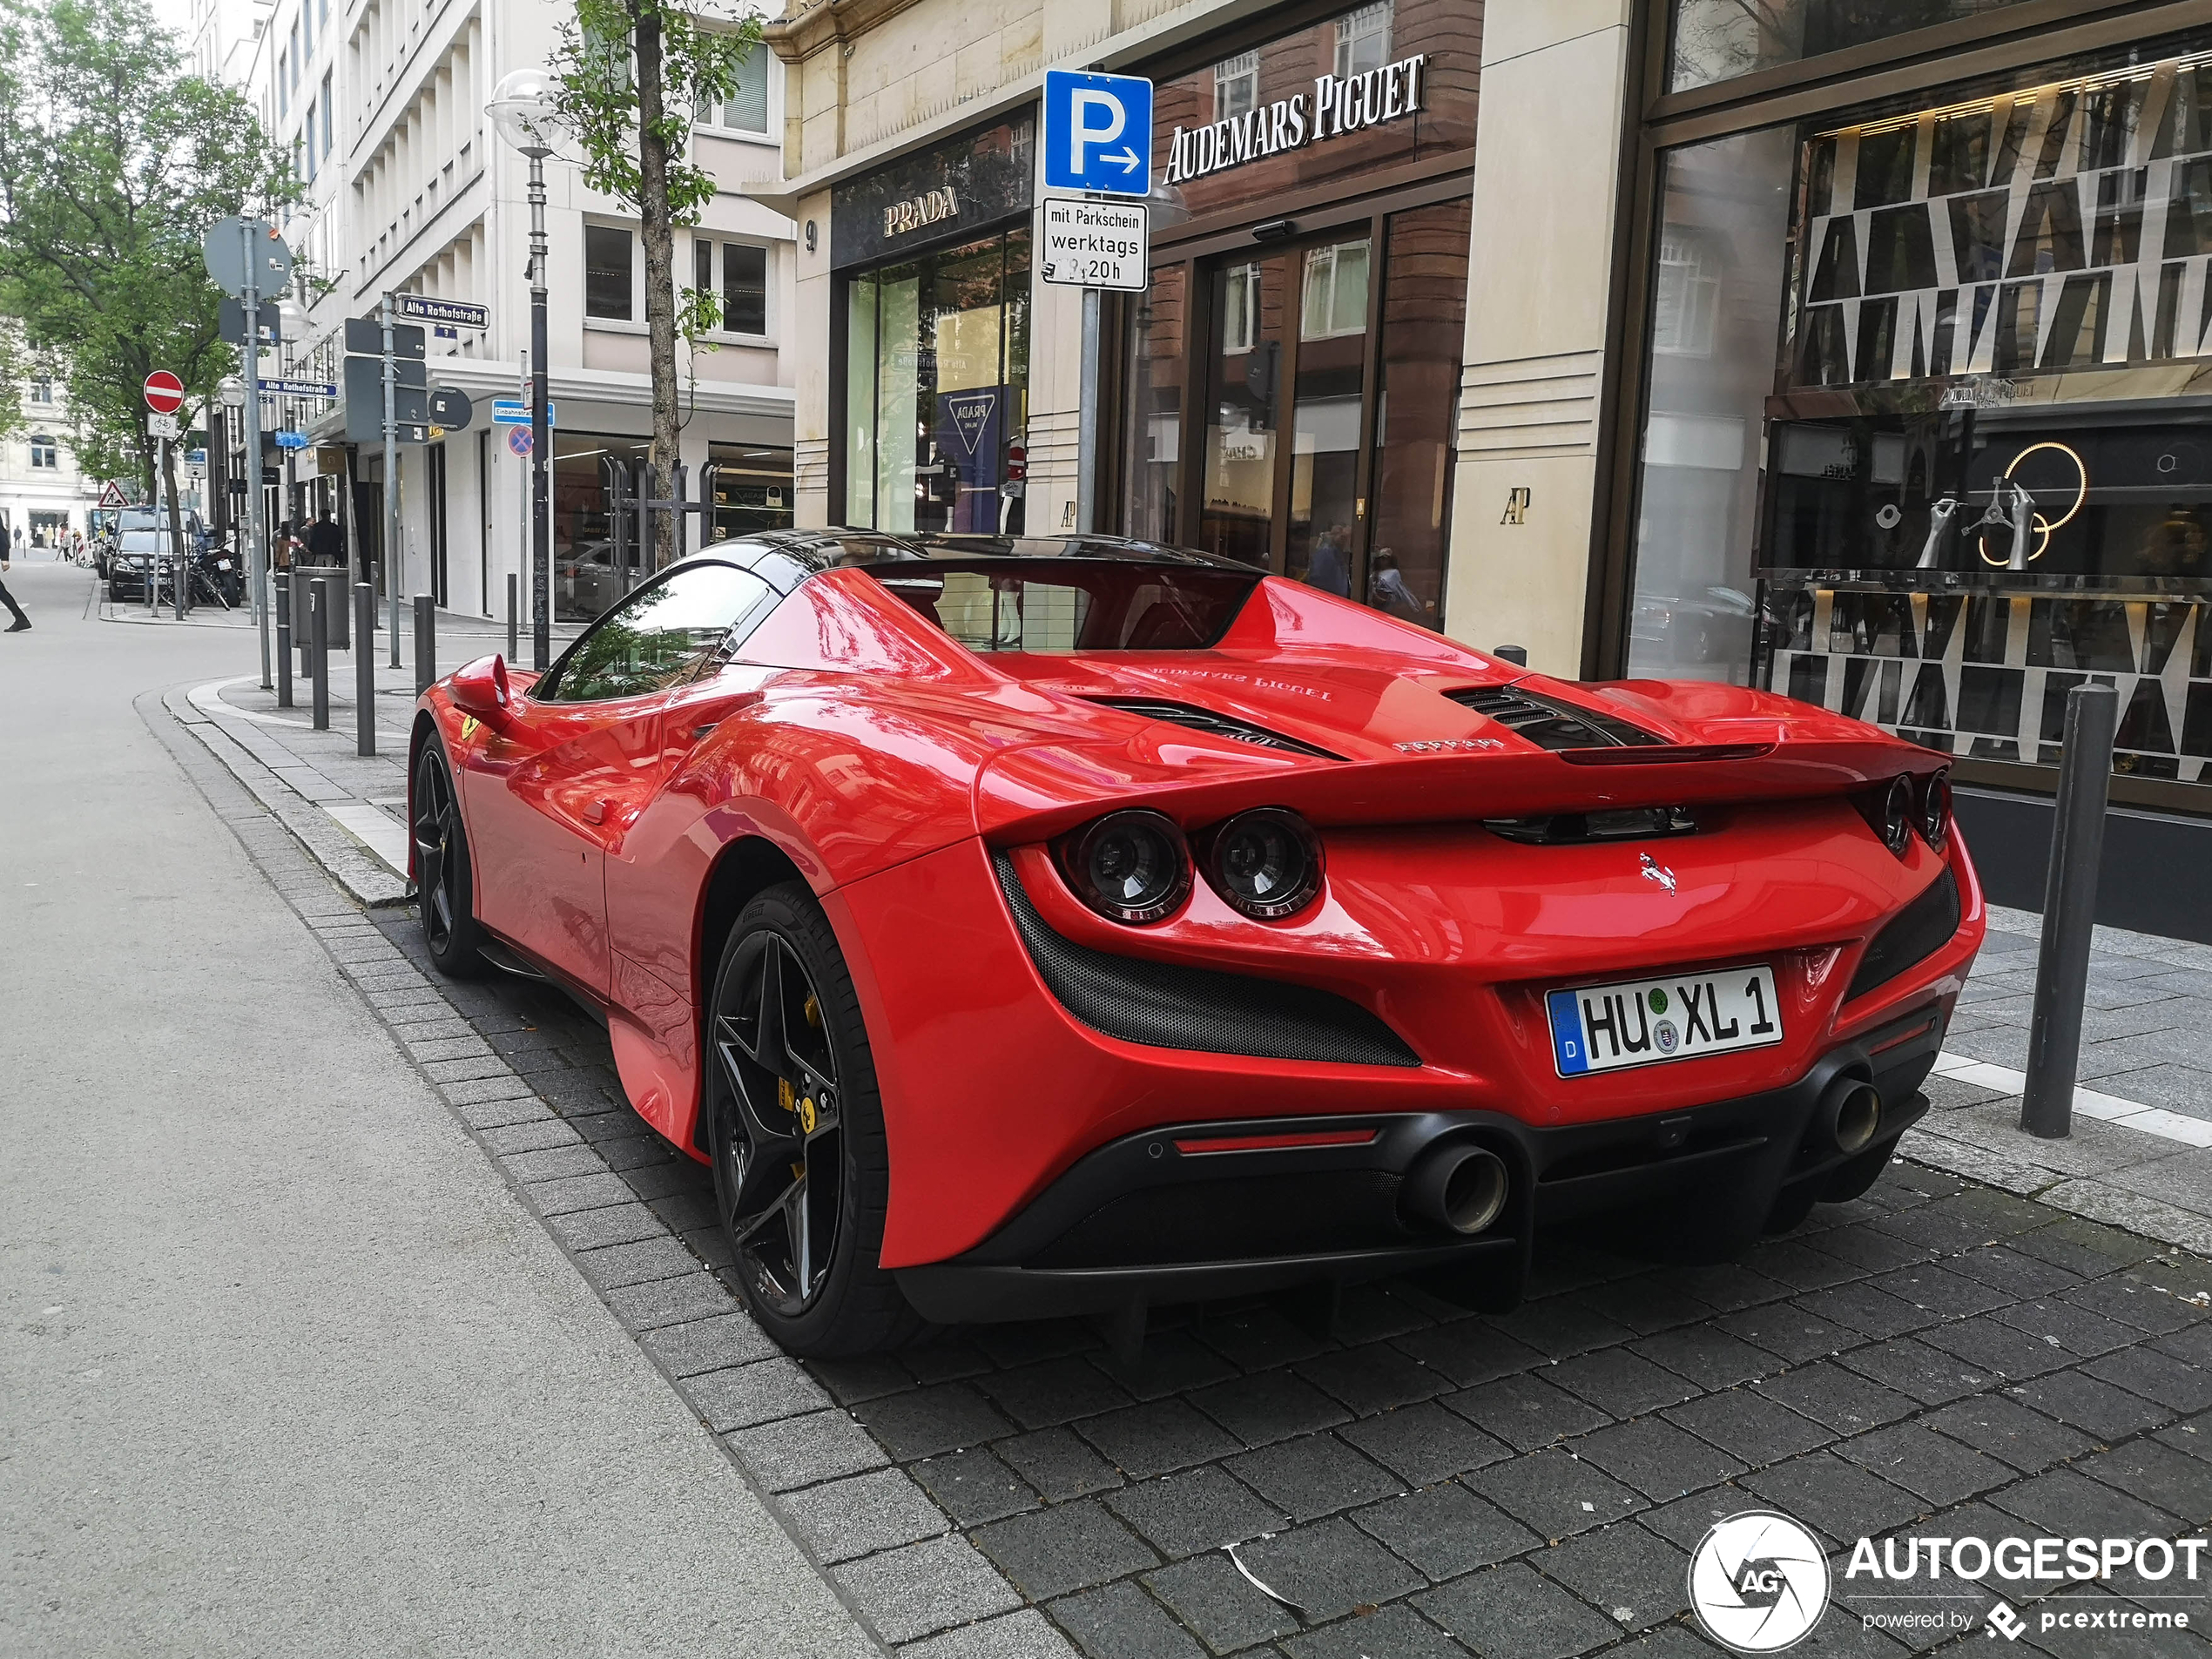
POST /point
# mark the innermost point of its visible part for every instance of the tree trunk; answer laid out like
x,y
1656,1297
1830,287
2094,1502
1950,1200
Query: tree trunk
x,y
657,233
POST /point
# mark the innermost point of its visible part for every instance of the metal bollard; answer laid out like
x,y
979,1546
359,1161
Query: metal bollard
x,y
426,642
2069,911
319,650
1517,655
284,645
513,617
364,669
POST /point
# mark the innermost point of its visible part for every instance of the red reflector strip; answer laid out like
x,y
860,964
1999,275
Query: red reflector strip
x,y
1270,1143
1920,1030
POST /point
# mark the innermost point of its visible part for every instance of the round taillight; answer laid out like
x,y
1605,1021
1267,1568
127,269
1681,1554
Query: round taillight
x,y
1129,867
1935,808
1897,815
1265,863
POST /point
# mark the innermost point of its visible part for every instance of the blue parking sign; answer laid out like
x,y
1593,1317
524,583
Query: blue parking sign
x,y
1098,132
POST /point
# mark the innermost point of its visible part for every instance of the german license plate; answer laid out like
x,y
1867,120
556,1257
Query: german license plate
x,y
1644,1022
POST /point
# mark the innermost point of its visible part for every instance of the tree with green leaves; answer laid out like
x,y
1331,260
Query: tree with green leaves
x,y
113,163
632,77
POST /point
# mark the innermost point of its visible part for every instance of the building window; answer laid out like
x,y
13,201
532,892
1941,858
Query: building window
x,y
1686,296
306,30
45,452
41,390
744,288
746,108
1336,292
1236,86
1240,307
1362,39
1717,40
326,115
304,144
608,288
298,58
284,77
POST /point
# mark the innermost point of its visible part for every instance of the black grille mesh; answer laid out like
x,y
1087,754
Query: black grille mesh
x,y
1549,724
1219,725
1915,933
1166,1006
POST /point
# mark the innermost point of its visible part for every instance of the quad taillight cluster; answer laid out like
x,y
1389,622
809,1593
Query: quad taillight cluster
x,y
1137,867
1907,805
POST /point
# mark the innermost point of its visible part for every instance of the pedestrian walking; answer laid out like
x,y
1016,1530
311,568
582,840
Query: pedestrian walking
x,y
8,599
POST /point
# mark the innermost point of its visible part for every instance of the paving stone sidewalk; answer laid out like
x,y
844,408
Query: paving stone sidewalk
x,y
1408,1481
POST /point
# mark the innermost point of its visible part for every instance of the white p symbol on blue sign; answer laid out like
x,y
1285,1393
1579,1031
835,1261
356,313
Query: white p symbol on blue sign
x,y
1098,132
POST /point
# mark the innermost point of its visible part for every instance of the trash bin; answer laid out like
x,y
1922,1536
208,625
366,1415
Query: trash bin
x,y
340,599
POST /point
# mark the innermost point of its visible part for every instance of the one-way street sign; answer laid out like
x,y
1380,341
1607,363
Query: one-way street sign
x,y
512,411
465,313
1098,132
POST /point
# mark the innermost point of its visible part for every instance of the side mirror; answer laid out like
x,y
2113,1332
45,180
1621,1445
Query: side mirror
x,y
481,688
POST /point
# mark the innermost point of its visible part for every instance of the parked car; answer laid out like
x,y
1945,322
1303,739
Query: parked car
x,y
134,554
1069,925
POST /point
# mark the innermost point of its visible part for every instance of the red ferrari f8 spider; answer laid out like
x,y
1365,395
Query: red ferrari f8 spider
x,y
1037,927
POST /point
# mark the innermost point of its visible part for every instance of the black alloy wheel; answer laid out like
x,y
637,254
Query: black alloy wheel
x,y
442,878
801,1173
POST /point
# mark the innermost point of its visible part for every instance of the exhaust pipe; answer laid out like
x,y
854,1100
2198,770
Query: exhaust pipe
x,y
1851,1113
1461,1189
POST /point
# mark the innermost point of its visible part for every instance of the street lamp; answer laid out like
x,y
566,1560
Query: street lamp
x,y
524,110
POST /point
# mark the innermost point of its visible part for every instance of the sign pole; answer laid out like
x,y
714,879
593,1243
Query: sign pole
x,y
391,478
256,503
541,433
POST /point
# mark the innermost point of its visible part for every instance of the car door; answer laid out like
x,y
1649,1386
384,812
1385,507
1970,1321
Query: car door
x,y
558,783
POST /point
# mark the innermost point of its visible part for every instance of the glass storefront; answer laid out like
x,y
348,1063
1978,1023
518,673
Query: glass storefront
x,y
937,387
1718,40
752,489
1308,429
1927,437
932,254
587,576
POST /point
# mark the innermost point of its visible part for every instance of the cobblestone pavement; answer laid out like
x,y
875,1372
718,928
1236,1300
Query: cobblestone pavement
x,y
1943,1355
1939,1355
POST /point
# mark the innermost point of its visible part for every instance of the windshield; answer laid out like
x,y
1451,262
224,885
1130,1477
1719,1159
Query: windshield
x,y
1072,604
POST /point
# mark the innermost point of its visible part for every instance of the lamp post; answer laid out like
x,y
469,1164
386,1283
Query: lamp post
x,y
523,109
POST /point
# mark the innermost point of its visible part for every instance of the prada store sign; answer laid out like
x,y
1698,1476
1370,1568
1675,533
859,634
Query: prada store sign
x,y
1337,106
951,192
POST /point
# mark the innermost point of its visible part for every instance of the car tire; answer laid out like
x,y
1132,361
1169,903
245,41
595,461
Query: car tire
x,y
792,1105
444,878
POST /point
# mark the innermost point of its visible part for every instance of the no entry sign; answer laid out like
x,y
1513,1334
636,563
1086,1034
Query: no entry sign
x,y
164,392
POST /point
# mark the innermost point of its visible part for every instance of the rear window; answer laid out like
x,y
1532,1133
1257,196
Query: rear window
x,y
1072,604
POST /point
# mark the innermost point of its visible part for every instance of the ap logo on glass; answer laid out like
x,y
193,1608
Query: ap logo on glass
x,y
1758,1582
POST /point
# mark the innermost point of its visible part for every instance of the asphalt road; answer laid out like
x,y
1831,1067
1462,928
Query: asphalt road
x,y
287,1367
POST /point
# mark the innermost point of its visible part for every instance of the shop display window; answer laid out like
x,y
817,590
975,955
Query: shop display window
x,y
1926,436
1718,40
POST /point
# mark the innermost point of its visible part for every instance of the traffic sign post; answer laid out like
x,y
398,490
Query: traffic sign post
x,y
514,411
287,386
518,440
1098,132
161,426
246,259
164,392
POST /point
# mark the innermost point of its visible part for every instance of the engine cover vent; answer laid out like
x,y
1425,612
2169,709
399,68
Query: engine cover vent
x,y
1219,725
1550,725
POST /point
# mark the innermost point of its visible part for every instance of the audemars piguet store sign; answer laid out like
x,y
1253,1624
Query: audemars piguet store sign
x,y
1337,105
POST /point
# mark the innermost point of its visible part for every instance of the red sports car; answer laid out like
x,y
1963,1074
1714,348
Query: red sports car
x,y
1037,927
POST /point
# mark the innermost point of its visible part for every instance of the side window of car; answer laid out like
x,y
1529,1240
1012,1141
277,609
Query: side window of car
x,y
677,626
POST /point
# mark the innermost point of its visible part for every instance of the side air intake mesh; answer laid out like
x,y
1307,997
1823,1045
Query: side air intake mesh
x,y
1550,725
1166,1006
1915,933
1219,725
